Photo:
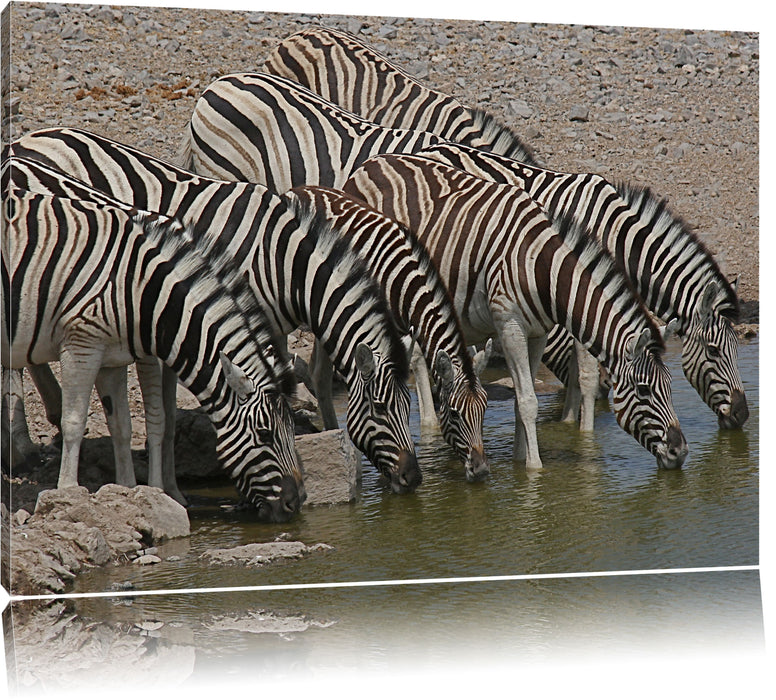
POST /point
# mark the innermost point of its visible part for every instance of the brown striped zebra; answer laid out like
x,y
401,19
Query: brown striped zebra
x,y
514,275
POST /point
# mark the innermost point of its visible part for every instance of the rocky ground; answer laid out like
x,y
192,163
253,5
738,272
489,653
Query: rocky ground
x,y
673,109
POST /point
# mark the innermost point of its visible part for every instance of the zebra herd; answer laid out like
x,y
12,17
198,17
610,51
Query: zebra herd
x,y
334,191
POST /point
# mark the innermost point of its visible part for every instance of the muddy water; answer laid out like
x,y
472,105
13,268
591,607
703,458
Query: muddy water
x,y
600,504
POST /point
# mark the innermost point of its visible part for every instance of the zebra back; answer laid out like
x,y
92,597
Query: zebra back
x,y
360,79
630,222
269,130
473,228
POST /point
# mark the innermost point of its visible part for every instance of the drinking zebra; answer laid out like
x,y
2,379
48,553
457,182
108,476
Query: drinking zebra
x,y
337,66
422,306
96,286
513,274
670,268
634,225
301,271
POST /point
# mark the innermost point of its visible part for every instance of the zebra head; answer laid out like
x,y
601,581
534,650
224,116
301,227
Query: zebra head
x,y
255,444
462,403
378,419
641,398
710,360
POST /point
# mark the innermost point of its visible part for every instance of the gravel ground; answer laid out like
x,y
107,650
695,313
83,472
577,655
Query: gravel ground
x,y
673,109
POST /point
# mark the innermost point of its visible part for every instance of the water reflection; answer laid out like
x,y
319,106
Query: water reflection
x,y
255,638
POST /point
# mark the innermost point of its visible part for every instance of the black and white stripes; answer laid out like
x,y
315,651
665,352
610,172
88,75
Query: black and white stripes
x,y
91,286
265,129
300,270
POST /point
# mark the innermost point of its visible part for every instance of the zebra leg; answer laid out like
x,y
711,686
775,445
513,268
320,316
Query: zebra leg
x,y
428,417
79,373
519,352
589,382
50,393
111,383
573,400
149,376
17,443
23,445
323,372
170,403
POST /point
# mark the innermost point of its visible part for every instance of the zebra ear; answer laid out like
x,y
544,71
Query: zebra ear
x,y
636,345
443,366
670,329
409,341
365,360
236,378
480,359
707,301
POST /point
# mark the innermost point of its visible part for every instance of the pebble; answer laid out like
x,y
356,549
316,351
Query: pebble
x,y
147,559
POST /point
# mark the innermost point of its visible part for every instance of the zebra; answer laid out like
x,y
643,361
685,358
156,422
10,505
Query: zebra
x,y
360,79
340,68
670,268
512,273
92,285
422,305
300,269
332,142
265,129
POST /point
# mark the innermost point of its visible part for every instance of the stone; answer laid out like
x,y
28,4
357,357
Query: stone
x,y
147,559
163,516
260,553
332,467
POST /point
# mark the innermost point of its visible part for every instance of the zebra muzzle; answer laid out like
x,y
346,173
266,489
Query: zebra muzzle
x,y
736,413
674,449
477,465
286,505
407,475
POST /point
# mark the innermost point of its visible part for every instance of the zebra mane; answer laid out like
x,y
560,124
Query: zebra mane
x,y
211,266
315,222
603,267
675,232
503,141
184,158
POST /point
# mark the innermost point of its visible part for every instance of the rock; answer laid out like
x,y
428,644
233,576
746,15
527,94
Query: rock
x,y
520,108
72,529
332,467
260,553
20,517
147,559
579,113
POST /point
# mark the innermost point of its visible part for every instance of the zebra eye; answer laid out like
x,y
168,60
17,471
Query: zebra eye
x,y
265,435
712,350
643,391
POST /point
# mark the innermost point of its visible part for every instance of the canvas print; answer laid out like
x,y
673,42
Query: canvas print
x,y
331,341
